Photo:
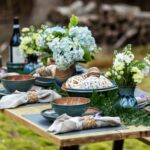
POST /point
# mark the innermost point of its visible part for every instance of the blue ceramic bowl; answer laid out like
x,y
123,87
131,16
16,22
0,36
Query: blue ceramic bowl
x,y
15,67
73,106
18,82
45,81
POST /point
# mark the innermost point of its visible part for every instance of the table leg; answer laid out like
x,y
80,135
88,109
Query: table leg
x,y
118,145
76,147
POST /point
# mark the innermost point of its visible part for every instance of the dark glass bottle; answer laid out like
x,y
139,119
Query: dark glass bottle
x,y
16,55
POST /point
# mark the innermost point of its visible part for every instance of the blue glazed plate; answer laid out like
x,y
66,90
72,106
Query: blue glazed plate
x,y
4,92
51,115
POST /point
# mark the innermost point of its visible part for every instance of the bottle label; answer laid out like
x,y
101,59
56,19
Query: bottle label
x,y
15,26
17,55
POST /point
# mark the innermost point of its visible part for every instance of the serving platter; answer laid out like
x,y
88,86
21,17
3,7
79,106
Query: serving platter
x,y
90,90
87,92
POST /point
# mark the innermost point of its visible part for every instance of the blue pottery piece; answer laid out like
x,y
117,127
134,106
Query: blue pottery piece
x,y
21,83
127,99
73,106
28,68
15,67
45,82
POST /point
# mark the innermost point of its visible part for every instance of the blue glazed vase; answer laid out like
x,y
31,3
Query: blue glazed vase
x,y
32,63
127,98
28,68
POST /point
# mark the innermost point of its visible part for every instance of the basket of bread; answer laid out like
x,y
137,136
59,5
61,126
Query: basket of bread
x,y
85,84
45,76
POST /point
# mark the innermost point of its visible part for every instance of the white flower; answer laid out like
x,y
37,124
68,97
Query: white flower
x,y
119,66
135,70
119,57
131,56
124,57
128,59
108,74
25,30
118,77
26,40
121,72
116,73
138,77
147,60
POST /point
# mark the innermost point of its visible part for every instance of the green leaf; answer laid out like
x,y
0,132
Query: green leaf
x,y
127,48
44,60
87,55
73,21
58,34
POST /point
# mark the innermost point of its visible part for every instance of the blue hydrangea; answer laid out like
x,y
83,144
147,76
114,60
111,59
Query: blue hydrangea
x,y
83,36
55,29
41,42
46,35
65,52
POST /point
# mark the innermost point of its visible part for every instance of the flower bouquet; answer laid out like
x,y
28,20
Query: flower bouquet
x,y
128,72
66,45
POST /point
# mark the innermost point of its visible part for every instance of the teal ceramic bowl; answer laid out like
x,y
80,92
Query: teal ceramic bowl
x,y
18,82
15,67
73,106
45,81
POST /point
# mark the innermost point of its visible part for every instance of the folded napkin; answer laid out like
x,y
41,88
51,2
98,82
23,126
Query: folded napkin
x,y
65,123
18,98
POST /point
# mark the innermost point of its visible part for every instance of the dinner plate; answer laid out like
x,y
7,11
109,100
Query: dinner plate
x,y
51,115
4,92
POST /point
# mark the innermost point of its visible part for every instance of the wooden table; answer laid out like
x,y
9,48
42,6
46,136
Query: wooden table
x,y
73,139
76,138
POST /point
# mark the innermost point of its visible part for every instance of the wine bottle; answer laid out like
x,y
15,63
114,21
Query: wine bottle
x,y
16,55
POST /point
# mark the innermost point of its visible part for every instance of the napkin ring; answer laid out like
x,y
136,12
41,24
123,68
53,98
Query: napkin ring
x,y
89,122
32,96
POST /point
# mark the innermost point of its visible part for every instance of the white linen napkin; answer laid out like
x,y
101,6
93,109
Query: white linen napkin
x,y
18,98
65,123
